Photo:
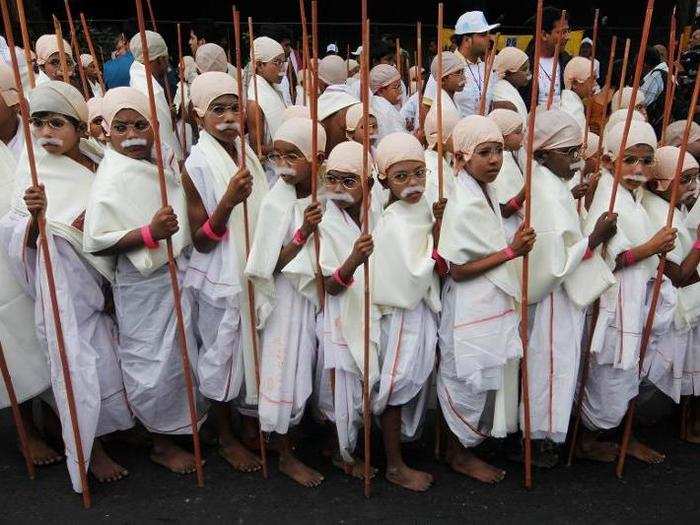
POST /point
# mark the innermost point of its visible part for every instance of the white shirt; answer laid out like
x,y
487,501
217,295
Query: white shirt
x,y
653,83
544,77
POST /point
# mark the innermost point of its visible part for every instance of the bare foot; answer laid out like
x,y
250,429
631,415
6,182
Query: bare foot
x,y
355,469
408,478
239,457
468,464
40,452
299,472
167,454
644,453
104,468
593,450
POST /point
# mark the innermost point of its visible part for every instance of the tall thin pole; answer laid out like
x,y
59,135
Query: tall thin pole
x,y
419,72
623,73
186,368
304,52
589,106
26,43
555,61
153,18
670,78
61,50
438,103
488,67
246,224
181,130
76,51
91,47
43,239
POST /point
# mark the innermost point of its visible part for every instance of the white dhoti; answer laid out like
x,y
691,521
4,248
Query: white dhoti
x,y
690,383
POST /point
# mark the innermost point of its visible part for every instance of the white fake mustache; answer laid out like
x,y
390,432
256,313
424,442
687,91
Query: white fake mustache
x,y
284,171
576,166
224,126
128,143
339,197
635,178
410,190
43,141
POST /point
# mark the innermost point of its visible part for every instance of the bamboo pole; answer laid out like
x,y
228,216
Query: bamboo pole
x,y
304,51
555,62
26,43
419,73
186,368
181,130
153,18
623,73
633,99
488,67
91,47
525,389
61,50
399,65
76,52
246,223
258,131
646,333
43,240
670,78
438,104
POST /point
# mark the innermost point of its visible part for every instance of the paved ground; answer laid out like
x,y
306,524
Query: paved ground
x,y
586,492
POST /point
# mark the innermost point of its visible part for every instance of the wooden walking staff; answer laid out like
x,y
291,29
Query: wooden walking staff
x,y
246,224
633,99
488,67
366,408
76,52
16,414
525,389
606,95
419,73
258,131
186,368
91,47
181,130
646,333
555,61
438,104
305,50
44,244
398,59
623,74
153,18
61,50
26,43
670,81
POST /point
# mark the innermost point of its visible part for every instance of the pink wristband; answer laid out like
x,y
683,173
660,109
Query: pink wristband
x,y
696,245
211,234
440,264
147,236
515,204
299,238
509,253
338,279
629,258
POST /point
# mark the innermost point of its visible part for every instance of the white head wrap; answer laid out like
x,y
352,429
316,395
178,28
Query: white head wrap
x,y
8,89
451,63
666,160
509,60
332,70
211,57
123,97
507,120
591,145
352,64
346,157
296,111
397,147
555,129
624,102
354,116
156,46
47,45
472,131
381,76
86,59
209,86
297,131
450,117
640,132
578,69
266,49
675,130
56,96
94,106
331,102
621,115
190,69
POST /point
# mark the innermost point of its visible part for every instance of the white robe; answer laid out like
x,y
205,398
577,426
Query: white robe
x,y
389,120
286,311
504,91
478,330
137,74
572,104
226,361
507,185
271,102
431,183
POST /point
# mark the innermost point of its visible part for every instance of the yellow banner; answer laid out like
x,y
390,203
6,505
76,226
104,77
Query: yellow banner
x,y
521,41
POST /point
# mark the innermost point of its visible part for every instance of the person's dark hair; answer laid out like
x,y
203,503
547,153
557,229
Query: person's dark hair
x,y
550,16
282,34
652,57
204,28
381,50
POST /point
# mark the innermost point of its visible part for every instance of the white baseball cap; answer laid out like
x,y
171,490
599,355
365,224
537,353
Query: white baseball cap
x,y
473,22
332,47
357,52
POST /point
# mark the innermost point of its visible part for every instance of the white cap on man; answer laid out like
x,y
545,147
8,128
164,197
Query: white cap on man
x,y
332,48
473,22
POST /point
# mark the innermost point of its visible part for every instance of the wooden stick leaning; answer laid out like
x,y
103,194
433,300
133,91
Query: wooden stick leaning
x,y
648,325
44,245
525,389
246,223
76,52
438,103
304,50
670,78
186,367
399,63
153,18
65,72
633,99
488,67
258,131
607,96
623,73
555,62
26,43
181,131
91,47
589,106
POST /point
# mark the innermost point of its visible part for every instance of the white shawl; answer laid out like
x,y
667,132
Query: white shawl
x,y
572,104
510,179
506,92
126,196
431,183
271,103
389,119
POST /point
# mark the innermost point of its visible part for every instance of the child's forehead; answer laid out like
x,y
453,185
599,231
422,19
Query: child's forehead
x,y
287,147
128,115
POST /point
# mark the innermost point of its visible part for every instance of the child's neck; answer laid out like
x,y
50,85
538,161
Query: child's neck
x,y
303,189
78,156
8,129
